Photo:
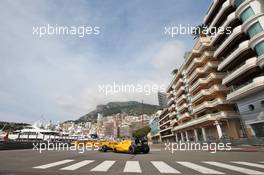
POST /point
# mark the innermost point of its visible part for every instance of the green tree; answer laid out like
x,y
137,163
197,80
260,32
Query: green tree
x,y
199,31
174,71
142,132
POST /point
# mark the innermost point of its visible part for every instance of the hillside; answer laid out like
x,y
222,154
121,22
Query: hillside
x,y
130,107
11,126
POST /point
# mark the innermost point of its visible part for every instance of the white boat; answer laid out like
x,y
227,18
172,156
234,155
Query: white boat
x,y
32,132
3,135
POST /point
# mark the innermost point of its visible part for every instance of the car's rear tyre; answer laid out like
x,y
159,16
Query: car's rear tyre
x,y
132,149
115,150
104,148
146,150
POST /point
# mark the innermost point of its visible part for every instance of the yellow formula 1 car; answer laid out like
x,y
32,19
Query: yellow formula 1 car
x,y
82,143
104,146
132,146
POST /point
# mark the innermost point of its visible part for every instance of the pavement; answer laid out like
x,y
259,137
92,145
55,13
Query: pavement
x,y
158,161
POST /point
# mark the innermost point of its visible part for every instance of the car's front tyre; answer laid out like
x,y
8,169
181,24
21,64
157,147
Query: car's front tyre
x,y
104,148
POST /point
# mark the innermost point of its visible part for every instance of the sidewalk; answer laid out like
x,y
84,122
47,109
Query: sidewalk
x,y
248,148
239,148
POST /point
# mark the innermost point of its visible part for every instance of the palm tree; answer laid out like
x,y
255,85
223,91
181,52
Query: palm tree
x,y
174,71
199,31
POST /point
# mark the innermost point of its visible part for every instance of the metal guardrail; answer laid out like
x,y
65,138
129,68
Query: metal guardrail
x,y
254,141
24,144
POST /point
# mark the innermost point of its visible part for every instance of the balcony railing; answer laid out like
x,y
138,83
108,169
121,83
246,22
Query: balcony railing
x,y
206,118
224,7
237,31
233,54
209,104
202,70
228,20
247,88
207,92
199,60
206,80
240,69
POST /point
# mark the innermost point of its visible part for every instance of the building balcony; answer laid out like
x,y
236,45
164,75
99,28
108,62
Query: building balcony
x,y
164,117
166,129
214,8
178,84
236,32
209,104
185,115
261,61
221,14
182,97
241,48
171,101
182,107
258,17
207,92
207,118
248,65
231,17
173,122
172,107
166,136
253,42
202,70
173,114
200,46
179,91
204,43
247,89
199,61
256,5
201,81
164,123
170,94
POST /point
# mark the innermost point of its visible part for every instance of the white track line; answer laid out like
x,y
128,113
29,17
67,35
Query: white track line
x,y
77,165
104,166
163,167
234,168
132,167
53,164
199,168
249,164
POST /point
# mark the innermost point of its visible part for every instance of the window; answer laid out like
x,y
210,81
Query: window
x,y
247,14
251,107
238,2
260,48
254,29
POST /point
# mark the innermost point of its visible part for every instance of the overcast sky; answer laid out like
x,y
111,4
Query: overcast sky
x,y
57,77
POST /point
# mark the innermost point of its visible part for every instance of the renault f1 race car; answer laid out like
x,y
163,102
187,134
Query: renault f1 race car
x,y
132,146
107,145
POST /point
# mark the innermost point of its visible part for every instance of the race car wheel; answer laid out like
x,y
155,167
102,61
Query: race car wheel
x,y
104,148
146,150
132,150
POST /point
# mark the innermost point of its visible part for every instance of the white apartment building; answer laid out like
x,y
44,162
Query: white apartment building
x,y
198,108
241,56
